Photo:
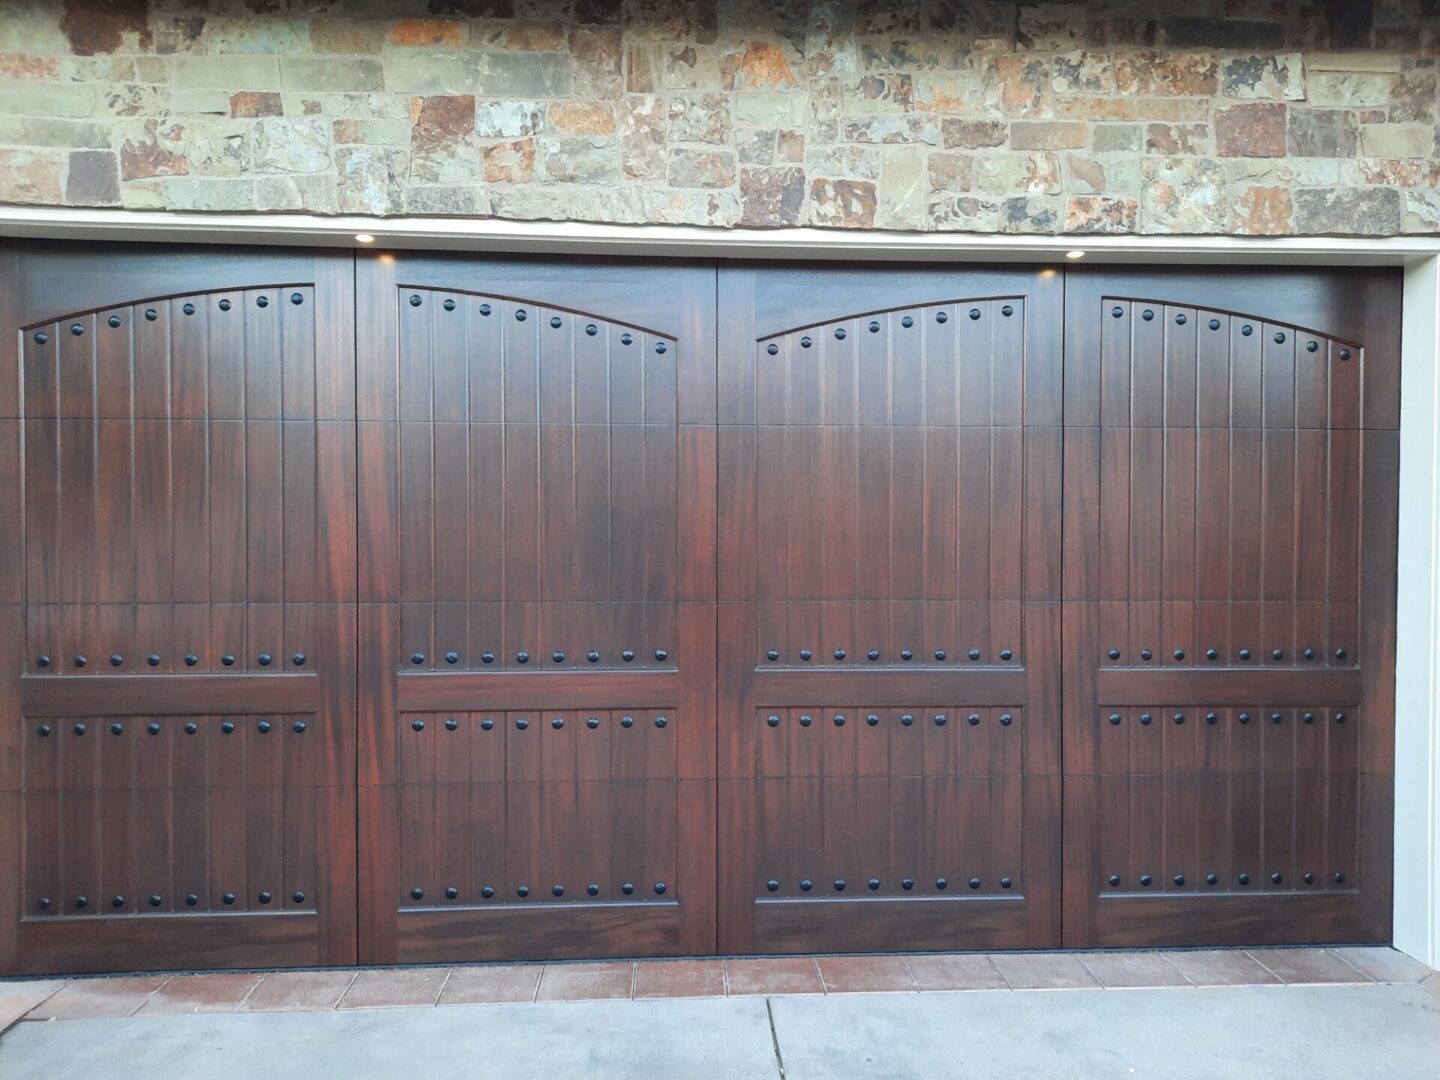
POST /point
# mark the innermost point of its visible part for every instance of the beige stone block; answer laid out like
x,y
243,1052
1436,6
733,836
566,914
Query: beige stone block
x,y
311,73
27,97
227,73
1358,60
1397,140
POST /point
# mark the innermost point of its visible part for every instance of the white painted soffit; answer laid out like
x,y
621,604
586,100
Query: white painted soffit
x,y
490,234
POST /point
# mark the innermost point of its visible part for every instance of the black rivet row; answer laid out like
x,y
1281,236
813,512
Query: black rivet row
x,y
488,892
1212,879
557,656
154,659
1211,653
522,723
1211,718
939,719
806,654
942,883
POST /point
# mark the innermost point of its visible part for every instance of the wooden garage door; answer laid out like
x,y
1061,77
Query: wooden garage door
x,y
177,579
1230,514
890,459
537,618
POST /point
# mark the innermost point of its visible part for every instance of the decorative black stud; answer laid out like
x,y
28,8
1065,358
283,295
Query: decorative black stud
x,y
1114,654
1277,654
487,658
1212,879
153,659
557,890
628,655
1277,878
1114,719
297,300
1340,654
81,902
1180,319
1247,330
941,317
228,727
839,333
592,889
265,896
592,722
1244,879
151,314
660,888
42,661
191,899
1211,654
487,891
939,719
79,729
484,309
555,321
906,720
1179,879
872,720
1179,654
117,728
806,720
114,320
974,314
522,657
873,327
661,655
523,890
1309,718
188,309
1006,719
156,899
1344,354
191,727
451,724
839,720
228,898
906,654
117,901
452,657
1312,346
1211,719
1147,314
839,654
1007,311
557,657
907,321
1116,311
591,329
1145,719
805,654
1145,654
974,654
79,661
1214,324
1339,879
262,301
1308,653
627,721
417,724
626,339
907,884
191,659
1276,718
1179,718
298,727
1006,654
520,316
628,888
873,884
116,659
417,893
873,654
1146,880
942,883
772,655
486,724
939,654
974,883
1279,337
805,343
228,659
1005,883
1114,880
1309,879
1244,718
973,719
1244,654
44,731
806,885
592,656
557,723
839,884
264,658
522,724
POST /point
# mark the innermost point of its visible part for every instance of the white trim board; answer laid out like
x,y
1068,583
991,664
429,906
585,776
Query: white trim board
x,y
1417,693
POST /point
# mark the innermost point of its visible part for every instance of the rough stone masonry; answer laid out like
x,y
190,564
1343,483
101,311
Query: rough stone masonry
x,y
1253,117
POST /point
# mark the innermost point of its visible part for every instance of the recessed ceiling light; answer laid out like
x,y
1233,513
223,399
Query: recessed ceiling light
x,y
1076,254
364,238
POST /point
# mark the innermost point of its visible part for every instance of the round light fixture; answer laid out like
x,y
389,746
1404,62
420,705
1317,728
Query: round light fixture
x,y
1076,254
364,238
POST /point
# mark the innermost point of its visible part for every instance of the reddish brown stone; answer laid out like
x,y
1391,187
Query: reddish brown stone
x,y
24,66
845,204
772,196
1263,211
253,103
1179,74
93,179
973,134
439,118
1100,214
582,118
99,26
144,156
1250,130
510,162
30,176
423,32
759,64
1176,138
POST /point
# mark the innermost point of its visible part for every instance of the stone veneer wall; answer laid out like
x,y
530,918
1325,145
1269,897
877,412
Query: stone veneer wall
x,y
1265,117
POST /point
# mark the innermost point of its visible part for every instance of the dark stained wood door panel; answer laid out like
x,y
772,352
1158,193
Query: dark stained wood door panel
x,y
1230,513
404,608
537,520
177,560
889,628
